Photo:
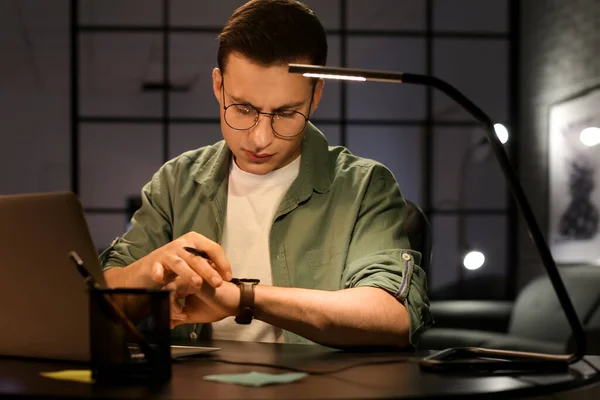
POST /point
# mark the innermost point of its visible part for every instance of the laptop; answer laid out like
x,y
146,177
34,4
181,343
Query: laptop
x,y
43,299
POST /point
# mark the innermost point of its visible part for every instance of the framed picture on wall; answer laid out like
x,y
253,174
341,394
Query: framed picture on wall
x,y
574,177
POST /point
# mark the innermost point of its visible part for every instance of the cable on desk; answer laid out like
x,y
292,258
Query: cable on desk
x,y
312,372
346,367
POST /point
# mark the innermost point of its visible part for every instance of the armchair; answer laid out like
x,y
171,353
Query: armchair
x,y
533,322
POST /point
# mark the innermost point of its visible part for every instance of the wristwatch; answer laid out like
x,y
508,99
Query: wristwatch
x,y
246,299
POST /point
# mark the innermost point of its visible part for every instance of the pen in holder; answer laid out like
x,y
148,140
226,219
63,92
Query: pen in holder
x,y
130,335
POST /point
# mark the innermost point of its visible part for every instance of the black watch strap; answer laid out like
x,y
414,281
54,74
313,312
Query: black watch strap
x,y
246,299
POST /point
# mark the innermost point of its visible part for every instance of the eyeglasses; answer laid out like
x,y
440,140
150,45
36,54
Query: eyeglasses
x,y
286,123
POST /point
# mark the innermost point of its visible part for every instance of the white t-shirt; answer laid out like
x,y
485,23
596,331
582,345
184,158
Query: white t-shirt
x,y
252,201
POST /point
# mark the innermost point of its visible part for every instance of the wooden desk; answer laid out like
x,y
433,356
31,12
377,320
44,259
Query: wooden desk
x,y
402,380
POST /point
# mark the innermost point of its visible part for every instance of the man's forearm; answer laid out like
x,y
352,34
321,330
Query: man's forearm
x,y
363,316
132,276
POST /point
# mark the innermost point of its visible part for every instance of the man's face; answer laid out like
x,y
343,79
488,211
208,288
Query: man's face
x,y
259,150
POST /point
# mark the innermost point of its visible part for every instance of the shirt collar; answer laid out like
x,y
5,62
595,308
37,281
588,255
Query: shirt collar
x,y
314,166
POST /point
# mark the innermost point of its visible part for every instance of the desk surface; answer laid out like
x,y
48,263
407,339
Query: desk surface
x,y
402,380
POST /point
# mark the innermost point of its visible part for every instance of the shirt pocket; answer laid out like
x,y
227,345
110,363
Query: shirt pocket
x,y
325,267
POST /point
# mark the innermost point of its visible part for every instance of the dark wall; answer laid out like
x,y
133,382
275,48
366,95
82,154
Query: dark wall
x,y
560,48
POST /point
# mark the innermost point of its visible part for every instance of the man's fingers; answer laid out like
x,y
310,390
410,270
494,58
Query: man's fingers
x,y
183,288
175,302
170,286
202,267
215,253
175,323
175,261
158,273
177,314
180,288
162,275
183,270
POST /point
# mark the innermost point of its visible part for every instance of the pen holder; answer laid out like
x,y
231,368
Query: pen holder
x,y
118,349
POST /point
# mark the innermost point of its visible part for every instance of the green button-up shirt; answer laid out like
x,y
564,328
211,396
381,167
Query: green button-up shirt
x,y
340,225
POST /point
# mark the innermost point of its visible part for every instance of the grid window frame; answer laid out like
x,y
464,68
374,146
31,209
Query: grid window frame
x,y
341,125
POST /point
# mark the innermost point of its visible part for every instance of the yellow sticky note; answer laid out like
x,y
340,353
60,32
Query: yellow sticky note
x,y
75,375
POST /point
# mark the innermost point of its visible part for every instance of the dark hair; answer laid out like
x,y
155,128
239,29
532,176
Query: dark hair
x,y
271,32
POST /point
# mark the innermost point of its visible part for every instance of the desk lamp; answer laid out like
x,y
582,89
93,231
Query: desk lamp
x,y
476,359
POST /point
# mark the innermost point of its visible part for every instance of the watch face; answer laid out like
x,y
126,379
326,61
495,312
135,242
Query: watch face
x,y
245,317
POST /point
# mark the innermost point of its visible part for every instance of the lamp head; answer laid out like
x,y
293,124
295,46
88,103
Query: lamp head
x,y
346,74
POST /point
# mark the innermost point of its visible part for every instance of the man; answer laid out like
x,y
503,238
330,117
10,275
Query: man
x,y
319,227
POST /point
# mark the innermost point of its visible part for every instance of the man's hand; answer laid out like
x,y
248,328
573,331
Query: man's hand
x,y
172,261
202,305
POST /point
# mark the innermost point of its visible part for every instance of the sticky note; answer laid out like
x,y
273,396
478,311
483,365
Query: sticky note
x,y
75,375
256,378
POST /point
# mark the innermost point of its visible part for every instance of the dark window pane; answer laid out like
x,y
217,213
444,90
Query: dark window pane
x,y
486,234
397,148
119,12
116,161
386,101
460,157
478,69
395,15
470,15
113,69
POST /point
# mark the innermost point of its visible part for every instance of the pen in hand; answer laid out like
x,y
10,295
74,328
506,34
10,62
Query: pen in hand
x,y
203,254
197,252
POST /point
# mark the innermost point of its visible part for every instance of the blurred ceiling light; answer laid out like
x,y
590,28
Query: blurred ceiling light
x,y
501,132
590,136
473,260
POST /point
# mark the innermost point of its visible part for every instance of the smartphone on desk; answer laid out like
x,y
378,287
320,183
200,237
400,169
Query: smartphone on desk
x,y
475,360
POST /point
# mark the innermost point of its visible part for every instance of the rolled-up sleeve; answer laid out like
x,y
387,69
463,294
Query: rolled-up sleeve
x,y
380,254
